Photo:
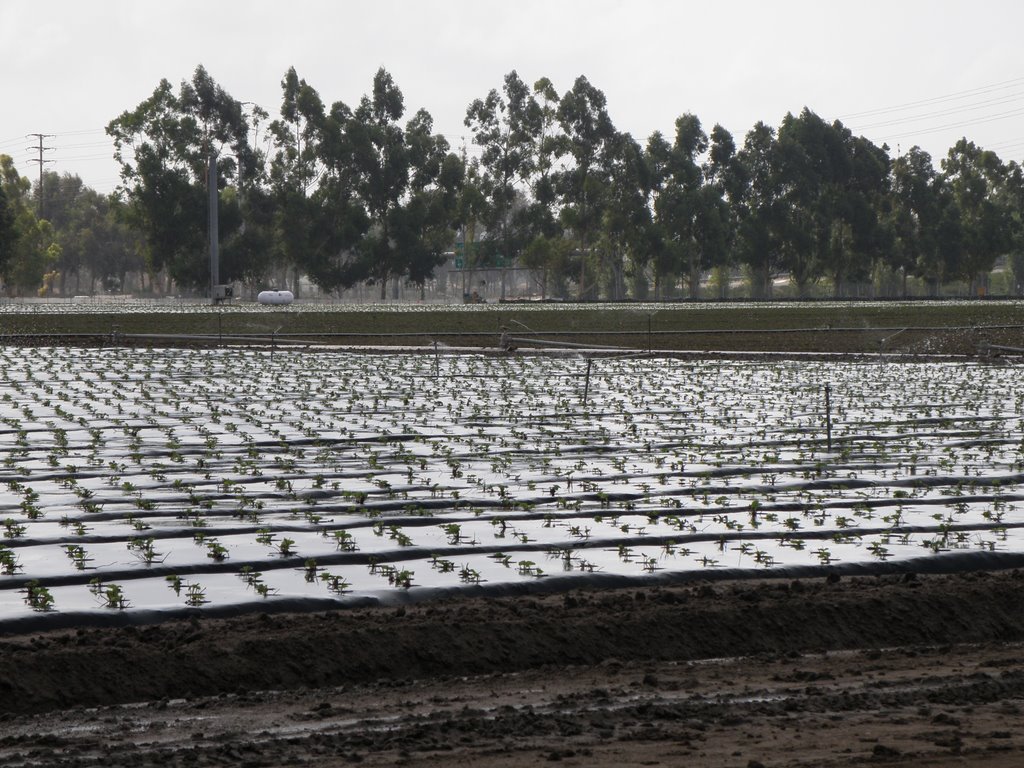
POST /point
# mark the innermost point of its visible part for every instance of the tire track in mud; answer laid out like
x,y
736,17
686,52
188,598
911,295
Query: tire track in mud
x,y
909,706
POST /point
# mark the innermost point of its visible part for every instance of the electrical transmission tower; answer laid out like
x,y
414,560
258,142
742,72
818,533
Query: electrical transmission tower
x,y
40,137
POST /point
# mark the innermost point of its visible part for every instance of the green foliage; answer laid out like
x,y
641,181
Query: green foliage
x,y
28,249
345,195
973,177
38,597
8,232
507,126
404,181
172,137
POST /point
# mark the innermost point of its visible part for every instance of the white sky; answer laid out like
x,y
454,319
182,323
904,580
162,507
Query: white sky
x,y
68,67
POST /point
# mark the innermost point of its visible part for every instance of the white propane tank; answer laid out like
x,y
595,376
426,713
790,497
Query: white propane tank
x,y
275,297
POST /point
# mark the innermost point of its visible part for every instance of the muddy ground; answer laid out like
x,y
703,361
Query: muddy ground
x,y
904,670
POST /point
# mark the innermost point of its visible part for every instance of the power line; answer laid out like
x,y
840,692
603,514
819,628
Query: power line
x,y
932,115
941,113
962,124
83,131
89,144
104,156
980,90
42,162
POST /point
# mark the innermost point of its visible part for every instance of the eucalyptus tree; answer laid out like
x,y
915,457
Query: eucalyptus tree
x,y
693,215
553,260
164,146
506,126
914,217
548,254
833,185
760,209
627,217
471,209
662,256
295,170
392,168
548,148
677,205
428,218
1010,199
28,248
722,188
89,234
70,207
587,141
112,248
712,233
249,211
8,219
973,177
812,164
859,239
337,217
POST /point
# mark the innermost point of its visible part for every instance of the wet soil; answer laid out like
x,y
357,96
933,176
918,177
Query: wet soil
x,y
924,670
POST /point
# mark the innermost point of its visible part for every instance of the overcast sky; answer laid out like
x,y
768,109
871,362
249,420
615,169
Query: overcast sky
x,y
904,72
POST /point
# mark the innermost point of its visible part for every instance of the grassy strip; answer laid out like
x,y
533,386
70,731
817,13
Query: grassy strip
x,y
925,328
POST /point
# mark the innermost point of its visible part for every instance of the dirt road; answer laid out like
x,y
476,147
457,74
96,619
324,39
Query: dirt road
x,y
887,670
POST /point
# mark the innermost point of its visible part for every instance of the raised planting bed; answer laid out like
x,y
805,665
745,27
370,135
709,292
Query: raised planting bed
x,y
141,484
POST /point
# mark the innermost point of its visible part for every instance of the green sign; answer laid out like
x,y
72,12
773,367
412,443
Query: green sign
x,y
480,261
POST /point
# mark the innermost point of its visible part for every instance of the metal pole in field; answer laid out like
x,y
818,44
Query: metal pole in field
x,y
586,382
828,416
211,182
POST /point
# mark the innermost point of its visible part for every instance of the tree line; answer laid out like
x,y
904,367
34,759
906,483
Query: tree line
x,y
369,194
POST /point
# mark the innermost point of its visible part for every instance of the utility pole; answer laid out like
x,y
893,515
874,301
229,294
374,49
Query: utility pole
x,y
40,137
211,181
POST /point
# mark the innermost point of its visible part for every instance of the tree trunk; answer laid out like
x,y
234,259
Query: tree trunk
x,y
694,277
583,271
722,282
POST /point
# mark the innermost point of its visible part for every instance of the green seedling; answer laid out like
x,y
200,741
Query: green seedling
x,y
344,541
195,595
13,529
77,554
216,551
175,583
38,597
8,561
286,547
336,584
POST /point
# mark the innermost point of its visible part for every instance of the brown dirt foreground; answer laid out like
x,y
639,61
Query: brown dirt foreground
x,y
866,670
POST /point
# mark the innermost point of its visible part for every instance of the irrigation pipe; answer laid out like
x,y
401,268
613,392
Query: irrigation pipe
x,y
567,344
464,333
1000,348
